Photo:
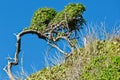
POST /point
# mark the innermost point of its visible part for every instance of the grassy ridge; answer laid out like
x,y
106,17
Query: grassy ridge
x,y
97,60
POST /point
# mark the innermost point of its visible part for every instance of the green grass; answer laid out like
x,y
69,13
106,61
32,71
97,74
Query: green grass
x,y
98,60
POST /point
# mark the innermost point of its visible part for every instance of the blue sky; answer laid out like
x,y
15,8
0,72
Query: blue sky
x,y
17,14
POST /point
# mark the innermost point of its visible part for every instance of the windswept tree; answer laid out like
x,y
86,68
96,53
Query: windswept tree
x,y
52,26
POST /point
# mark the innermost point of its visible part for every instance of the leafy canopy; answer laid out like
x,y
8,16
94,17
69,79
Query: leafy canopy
x,y
70,15
73,14
41,18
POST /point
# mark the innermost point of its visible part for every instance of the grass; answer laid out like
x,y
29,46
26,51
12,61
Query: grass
x,y
99,59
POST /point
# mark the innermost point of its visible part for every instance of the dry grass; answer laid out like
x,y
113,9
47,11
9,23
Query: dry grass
x,y
95,40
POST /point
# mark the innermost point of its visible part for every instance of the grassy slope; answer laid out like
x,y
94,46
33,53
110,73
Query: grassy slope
x,y
98,60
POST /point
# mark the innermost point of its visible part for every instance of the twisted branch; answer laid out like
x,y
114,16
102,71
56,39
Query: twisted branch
x,y
47,34
18,49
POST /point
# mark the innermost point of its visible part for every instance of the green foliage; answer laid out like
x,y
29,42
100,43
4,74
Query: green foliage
x,y
100,63
104,63
41,18
55,73
73,14
103,68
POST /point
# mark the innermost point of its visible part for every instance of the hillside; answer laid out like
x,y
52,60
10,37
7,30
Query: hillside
x,y
98,60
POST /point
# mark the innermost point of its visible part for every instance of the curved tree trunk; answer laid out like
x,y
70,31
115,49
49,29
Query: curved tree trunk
x,y
18,49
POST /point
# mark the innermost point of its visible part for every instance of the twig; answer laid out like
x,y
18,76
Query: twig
x,y
65,38
55,46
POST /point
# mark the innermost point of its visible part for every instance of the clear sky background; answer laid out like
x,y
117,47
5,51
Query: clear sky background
x,y
17,14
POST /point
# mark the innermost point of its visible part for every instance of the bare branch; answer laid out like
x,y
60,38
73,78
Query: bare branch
x,y
53,27
18,47
55,46
65,38
8,67
66,21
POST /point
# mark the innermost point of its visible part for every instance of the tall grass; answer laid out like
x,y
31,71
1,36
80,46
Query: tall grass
x,y
95,35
